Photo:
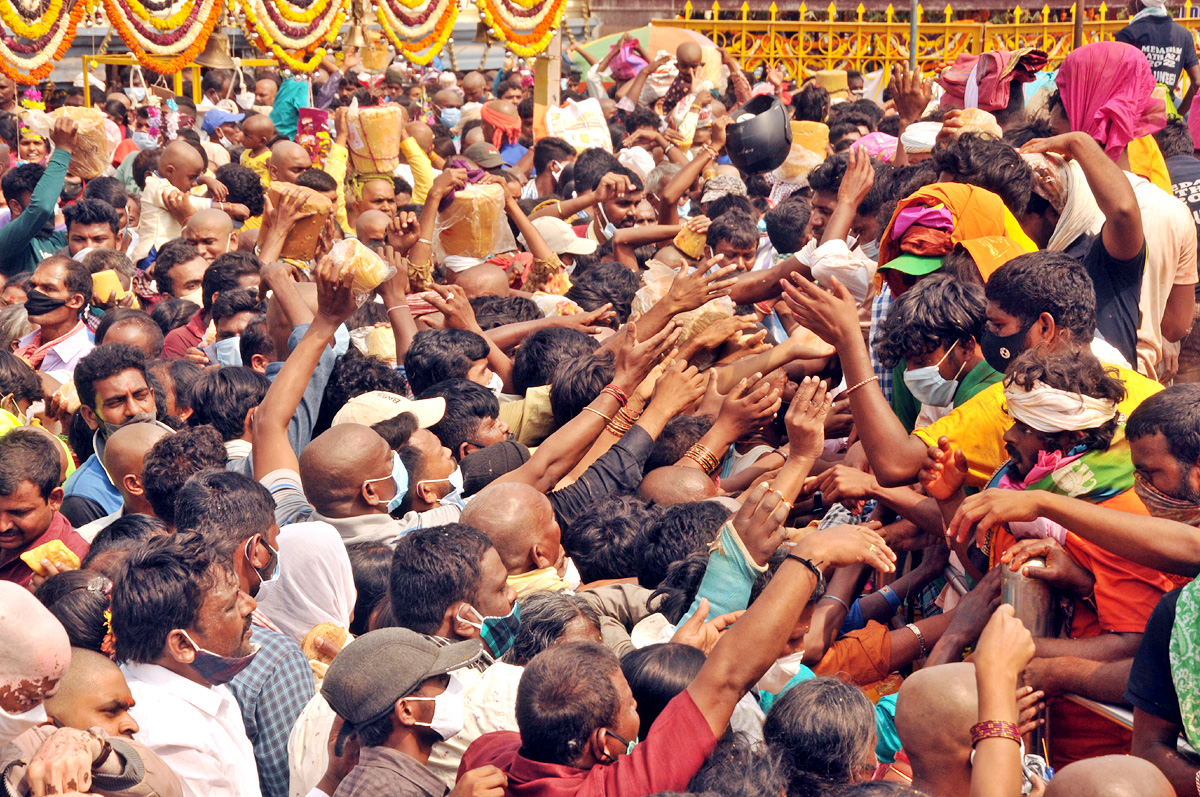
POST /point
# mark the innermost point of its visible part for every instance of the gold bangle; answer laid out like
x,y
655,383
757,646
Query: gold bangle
x,y
860,384
598,412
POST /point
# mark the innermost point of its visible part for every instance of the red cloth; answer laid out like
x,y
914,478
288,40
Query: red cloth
x,y
666,760
122,151
35,352
180,339
507,128
13,569
998,70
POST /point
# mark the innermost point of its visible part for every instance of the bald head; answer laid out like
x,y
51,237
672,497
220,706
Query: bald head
x,y
371,227
447,98
474,86
93,693
181,164
935,710
124,453
335,464
676,485
520,522
377,195
420,132
1110,776
288,159
35,653
688,54
211,231
483,280
258,131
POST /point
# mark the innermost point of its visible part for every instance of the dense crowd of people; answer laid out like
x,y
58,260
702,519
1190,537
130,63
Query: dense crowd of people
x,y
360,436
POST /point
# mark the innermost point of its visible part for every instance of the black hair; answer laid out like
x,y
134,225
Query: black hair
x,y
729,203
106,189
938,311
810,105
541,354
214,80
115,107
222,397
178,377
734,228
467,405
869,109
401,186
496,311
86,212
824,730
397,431
679,530
827,178
79,437
18,378
225,274
353,374
1032,129
29,455
604,540
591,165
681,433
1175,414
78,599
256,339
226,508
657,674
565,695
138,318
847,114
606,282
317,180
980,160
1046,282
577,382
838,133
125,529
640,117
244,185
371,565
787,224
9,130
878,788
439,354
1175,139
549,149
103,362
234,301
170,255
890,125
1073,371
432,569
145,162
21,180
162,586
544,619
173,460
172,313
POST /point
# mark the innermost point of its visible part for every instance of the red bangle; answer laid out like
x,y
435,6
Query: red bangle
x,y
994,729
616,393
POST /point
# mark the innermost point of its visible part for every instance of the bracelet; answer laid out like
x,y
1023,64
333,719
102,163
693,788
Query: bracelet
x,y
629,416
860,384
712,153
890,596
616,393
920,638
819,590
617,428
703,457
558,208
398,307
598,412
994,729
845,605
425,241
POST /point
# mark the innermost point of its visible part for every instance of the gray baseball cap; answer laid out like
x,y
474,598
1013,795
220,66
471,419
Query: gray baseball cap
x,y
374,671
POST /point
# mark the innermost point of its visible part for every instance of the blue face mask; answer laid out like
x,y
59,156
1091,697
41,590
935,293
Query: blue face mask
x,y
451,117
399,477
497,633
610,229
229,351
143,140
135,93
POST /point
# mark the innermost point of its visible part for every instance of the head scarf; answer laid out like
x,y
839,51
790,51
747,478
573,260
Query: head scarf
x,y
36,651
1063,185
315,584
880,146
920,137
507,128
1106,89
1050,410
985,81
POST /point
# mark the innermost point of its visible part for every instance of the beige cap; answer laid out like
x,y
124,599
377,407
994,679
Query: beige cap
x,y
561,238
380,405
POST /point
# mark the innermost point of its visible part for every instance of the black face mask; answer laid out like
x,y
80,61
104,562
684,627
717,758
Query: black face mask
x,y
39,304
1000,350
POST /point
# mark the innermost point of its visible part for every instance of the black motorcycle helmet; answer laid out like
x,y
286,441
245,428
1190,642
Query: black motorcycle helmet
x,y
760,144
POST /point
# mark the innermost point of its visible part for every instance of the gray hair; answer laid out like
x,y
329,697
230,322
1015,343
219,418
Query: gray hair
x,y
14,325
544,618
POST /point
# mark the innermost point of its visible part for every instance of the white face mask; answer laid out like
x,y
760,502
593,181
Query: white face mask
x,y
196,297
447,710
245,100
928,386
495,384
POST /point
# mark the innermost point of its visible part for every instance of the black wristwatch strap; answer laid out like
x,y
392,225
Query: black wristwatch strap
x,y
819,589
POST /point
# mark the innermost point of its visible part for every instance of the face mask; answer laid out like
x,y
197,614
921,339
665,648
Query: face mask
x,y
610,229
685,209
454,497
13,408
556,170
1000,350
497,633
399,477
495,384
274,568
245,100
144,141
1159,504
451,117
871,249
109,428
447,710
196,297
629,745
928,385
229,351
135,93
220,669
38,303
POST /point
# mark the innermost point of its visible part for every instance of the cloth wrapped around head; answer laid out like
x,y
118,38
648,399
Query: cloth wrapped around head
x,y
1107,92
1050,410
986,81
1063,185
507,128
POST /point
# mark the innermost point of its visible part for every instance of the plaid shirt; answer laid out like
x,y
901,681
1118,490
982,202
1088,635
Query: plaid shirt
x,y
272,692
879,311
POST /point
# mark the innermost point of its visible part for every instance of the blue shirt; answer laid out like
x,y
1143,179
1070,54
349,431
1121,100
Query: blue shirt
x,y
511,153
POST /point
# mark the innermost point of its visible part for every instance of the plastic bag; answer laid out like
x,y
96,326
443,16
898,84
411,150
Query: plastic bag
x,y
92,155
373,136
305,236
581,124
370,270
474,226
656,281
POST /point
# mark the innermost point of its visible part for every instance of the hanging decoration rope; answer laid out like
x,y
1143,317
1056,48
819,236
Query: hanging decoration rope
x,y
525,26
164,35
294,31
41,35
418,28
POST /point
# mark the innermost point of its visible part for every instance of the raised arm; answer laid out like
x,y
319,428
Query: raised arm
x,y
1005,647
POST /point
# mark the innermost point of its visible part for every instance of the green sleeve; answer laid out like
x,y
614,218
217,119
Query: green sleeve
x,y
17,234
906,407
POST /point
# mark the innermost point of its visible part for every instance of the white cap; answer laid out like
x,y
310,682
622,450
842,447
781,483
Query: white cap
x,y
371,408
561,238
920,137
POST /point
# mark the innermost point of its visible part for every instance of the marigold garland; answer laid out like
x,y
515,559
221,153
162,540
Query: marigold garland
x,y
44,51
301,50
526,34
403,30
10,13
164,51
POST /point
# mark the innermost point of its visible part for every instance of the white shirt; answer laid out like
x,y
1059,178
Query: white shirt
x,y
489,704
156,225
62,357
197,730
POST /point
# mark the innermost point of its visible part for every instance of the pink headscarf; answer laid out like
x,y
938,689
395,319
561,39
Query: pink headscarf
x,y
1106,91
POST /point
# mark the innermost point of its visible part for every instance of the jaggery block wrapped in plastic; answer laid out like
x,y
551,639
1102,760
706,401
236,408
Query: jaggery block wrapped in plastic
x,y
373,135
92,155
305,236
656,281
369,269
475,225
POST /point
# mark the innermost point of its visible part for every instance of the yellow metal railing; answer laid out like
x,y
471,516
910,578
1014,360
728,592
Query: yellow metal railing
x,y
830,39
125,59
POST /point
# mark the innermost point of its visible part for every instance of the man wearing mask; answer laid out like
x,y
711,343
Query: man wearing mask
x,y
222,127
61,291
211,231
113,391
182,627
31,193
394,688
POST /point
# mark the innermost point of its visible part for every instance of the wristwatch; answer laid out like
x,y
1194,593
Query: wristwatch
x,y
105,748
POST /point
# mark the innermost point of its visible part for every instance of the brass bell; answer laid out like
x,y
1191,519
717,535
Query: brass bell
x,y
216,53
355,37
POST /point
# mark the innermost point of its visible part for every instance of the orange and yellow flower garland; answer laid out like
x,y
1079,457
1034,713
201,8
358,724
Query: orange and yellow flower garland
x,y
300,51
423,50
525,36
47,48
176,48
